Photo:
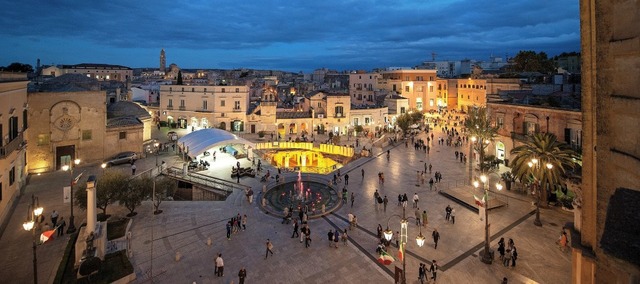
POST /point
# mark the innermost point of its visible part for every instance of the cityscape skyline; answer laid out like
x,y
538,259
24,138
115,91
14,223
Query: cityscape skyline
x,y
285,36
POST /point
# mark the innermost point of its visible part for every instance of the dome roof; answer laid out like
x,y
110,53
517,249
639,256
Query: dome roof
x,y
124,109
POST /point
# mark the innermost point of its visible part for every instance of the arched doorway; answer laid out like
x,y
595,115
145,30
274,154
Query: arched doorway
x,y
223,125
500,151
204,123
293,129
281,131
303,128
237,126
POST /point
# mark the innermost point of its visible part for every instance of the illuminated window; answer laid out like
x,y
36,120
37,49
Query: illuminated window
x,y
43,139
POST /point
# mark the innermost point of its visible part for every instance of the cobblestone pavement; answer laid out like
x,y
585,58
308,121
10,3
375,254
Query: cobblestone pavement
x,y
185,227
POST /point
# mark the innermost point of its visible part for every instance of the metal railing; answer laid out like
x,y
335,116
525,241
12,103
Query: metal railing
x,y
212,183
11,146
519,136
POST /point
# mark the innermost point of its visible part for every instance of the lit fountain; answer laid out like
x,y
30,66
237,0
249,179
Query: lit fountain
x,y
309,196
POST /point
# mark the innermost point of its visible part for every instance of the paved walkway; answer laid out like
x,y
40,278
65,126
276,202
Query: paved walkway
x,y
185,227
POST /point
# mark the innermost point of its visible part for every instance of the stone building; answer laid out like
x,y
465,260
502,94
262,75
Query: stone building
x,y
517,121
470,92
100,72
13,125
68,118
223,107
605,235
362,87
418,86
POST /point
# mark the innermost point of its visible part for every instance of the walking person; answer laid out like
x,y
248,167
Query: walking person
x,y
269,246
344,237
417,214
54,218
336,238
501,249
453,216
425,220
436,237
295,230
244,222
242,274
384,202
399,199
514,256
353,198
133,168
60,227
415,200
434,270
307,236
362,170
330,237
447,212
421,272
229,230
346,179
219,266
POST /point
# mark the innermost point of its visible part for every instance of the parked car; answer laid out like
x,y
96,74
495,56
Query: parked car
x,y
121,158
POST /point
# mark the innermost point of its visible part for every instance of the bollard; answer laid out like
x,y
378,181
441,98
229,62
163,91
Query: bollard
x,y
209,241
178,256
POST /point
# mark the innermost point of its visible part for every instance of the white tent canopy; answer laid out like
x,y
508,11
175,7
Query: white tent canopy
x,y
199,141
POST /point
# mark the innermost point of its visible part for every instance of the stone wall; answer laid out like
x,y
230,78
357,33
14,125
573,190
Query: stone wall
x,y
611,152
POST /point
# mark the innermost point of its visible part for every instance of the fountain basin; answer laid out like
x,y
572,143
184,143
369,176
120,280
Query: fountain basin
x,y
315,193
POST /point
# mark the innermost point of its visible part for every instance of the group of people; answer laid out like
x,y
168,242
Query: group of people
x,y
508,252
337,236
423,269
236,224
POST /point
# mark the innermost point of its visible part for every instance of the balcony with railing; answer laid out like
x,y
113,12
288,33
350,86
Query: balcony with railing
x,y
15,144
182,108
237,109
519,136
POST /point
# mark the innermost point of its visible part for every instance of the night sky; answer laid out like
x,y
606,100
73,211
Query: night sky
x,y
294,35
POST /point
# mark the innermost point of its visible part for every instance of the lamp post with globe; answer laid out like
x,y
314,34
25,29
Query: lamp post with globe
x,y
69,167
404,224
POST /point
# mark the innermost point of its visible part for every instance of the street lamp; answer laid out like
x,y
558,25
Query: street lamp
x,y
487,254
156,146
33,212
404,224
69,167
103,166
535,166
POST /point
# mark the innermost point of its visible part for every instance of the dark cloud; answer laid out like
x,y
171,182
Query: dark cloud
x,y
290,35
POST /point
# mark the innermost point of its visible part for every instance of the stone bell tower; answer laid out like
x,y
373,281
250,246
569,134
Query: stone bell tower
x,y
163,61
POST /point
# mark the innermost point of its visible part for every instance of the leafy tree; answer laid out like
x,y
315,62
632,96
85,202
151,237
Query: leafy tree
x,y
179,79
552,160
164,187
18,67
416,116
107,188
358,128
138,190
404,121
530,61
479,127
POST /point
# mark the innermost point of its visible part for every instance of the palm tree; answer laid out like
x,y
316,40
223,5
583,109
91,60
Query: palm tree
x,y
542,162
